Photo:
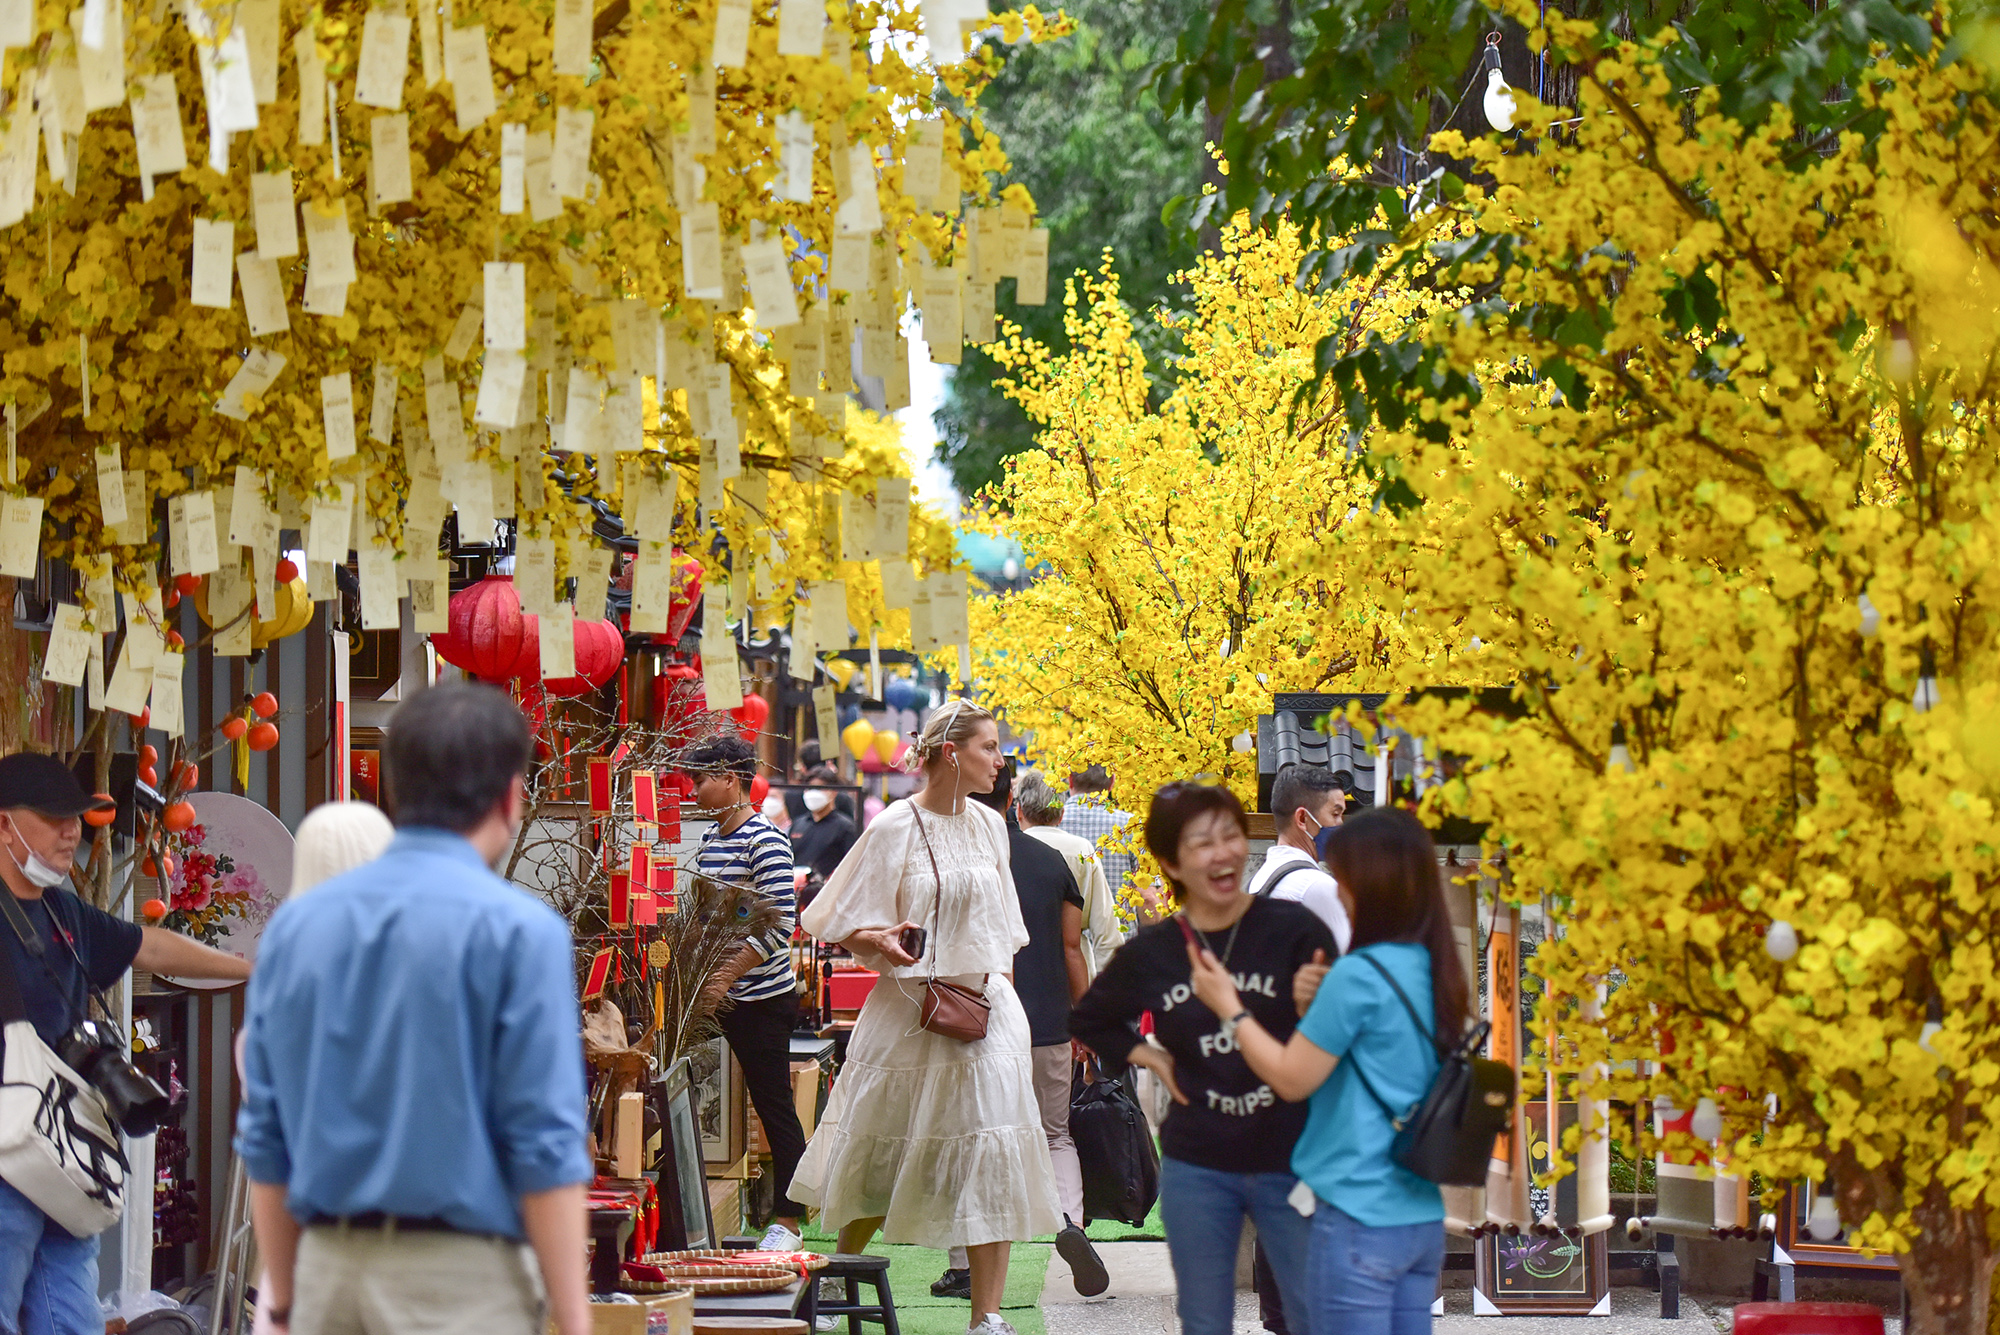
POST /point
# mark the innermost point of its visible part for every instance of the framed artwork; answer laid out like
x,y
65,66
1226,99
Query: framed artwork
x,y
718,1101
1544,1274
1796,1245
1549,1274
685,1223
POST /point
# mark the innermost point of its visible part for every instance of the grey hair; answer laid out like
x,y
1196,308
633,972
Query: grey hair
x,y
1038,801
953,721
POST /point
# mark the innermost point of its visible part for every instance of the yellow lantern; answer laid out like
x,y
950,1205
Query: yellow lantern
x,y
292,613
886,742
841,670
858,736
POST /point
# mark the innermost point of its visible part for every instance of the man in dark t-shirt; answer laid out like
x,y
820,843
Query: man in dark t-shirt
x,y
822,837
58,949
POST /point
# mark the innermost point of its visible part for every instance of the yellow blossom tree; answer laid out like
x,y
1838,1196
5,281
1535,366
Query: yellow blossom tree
x,y
543,208
1722,455
1170,602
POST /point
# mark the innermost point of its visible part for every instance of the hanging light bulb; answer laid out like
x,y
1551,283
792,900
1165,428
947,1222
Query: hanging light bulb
x,y
1781,941
1707,1121
1925,698
1871,616
1933,1024
1824,1221
1620,758
1243,743
1499,100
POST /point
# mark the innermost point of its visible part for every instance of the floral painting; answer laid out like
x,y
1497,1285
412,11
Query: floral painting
x,y
211,892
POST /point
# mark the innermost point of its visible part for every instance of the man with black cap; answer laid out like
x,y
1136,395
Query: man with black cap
x,y
48,1278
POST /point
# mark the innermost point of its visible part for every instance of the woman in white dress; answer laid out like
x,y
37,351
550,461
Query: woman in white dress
x,y
928,1139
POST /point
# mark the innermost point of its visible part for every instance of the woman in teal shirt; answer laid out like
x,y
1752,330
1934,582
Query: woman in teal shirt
x,y
1377,1229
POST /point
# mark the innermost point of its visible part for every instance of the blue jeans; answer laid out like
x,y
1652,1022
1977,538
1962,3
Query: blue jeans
x,y
48,1279
1372,1281
1203,1209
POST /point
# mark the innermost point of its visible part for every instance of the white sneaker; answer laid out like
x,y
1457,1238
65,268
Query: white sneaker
x,y
778,1238
992,1325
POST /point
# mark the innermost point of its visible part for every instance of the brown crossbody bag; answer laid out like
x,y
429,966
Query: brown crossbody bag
x,y
948,1009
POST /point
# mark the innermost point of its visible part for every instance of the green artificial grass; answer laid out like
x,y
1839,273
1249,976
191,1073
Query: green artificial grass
x,y
911,1270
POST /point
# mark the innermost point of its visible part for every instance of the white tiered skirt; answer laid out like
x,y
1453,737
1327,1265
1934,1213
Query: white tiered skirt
x,y
941,1139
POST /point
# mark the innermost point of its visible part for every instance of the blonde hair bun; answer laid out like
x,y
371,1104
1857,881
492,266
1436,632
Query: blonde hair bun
x,y
954,721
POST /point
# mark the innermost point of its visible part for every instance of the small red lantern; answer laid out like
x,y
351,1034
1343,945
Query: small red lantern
x,y
490,636
760,788
599,651
751,716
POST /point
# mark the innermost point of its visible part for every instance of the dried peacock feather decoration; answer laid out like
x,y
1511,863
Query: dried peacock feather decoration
x,y
716,919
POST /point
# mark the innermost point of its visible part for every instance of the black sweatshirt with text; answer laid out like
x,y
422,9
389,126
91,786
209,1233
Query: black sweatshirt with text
x,y
1232,1121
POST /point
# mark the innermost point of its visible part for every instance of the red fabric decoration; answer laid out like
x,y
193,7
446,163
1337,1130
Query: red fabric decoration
x,y
490,636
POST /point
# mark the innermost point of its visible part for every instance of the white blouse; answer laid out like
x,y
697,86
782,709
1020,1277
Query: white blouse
x,y
886,878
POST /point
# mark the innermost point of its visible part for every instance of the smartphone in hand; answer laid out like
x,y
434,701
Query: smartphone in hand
x,y
913,940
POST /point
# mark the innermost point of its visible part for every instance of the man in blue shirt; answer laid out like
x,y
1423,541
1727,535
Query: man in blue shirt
x,y
414,1090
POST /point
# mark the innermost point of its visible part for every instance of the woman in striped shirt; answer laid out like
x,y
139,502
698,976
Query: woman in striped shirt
x,y
746,849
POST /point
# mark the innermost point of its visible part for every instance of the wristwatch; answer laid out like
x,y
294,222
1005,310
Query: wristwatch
x,y
1229,1025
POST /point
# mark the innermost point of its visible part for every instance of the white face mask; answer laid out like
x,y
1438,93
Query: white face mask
x,y
37,871
818,800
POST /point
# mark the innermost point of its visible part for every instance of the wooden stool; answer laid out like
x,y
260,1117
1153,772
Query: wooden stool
x,y
749,1325
859,1270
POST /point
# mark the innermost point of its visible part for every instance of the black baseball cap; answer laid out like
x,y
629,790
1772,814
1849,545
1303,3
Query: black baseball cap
x,y
44,784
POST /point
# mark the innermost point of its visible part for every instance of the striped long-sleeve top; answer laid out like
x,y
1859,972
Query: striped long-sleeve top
x,y
757,853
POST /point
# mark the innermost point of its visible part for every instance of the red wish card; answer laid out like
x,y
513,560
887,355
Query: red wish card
x,y
645,797
645,909
670,817
599,770
642,867
662,882
621,907
600,973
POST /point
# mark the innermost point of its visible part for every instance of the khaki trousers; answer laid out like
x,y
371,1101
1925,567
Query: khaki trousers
x,y
375,1282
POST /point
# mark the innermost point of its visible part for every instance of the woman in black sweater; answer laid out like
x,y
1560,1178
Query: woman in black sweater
x,y
1227,1141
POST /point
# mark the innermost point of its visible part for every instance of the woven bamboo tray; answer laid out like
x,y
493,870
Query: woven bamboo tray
x,y
714,1273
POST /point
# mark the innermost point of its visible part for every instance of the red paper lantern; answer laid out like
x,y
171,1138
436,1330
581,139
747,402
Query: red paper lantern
x,y
490,636
599,651
751,716
681,602
760,788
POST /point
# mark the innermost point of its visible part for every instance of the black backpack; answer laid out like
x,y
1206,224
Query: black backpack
x,y
1114,1147
1447,1136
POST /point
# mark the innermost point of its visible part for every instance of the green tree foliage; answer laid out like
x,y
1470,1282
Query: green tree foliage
x,y
1102,160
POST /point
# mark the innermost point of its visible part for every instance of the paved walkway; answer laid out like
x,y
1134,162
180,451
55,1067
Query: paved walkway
x,y
1141,1302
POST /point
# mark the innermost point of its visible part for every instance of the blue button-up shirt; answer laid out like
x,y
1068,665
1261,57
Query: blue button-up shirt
x,y
414,1044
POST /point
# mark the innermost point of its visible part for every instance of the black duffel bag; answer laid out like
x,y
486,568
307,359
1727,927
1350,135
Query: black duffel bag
x,y
1446,1137
1121,1167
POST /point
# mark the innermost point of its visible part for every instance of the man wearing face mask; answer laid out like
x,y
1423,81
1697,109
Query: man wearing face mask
x,y
413,1120
60,949
822,841
1306,801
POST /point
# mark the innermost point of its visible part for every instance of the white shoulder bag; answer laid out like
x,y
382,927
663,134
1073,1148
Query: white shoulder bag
x,y
57,1145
